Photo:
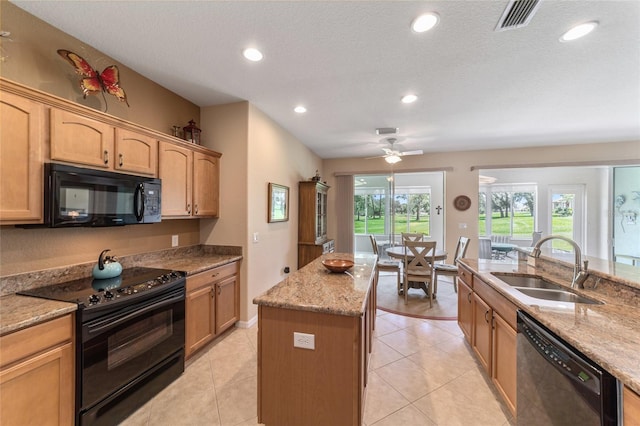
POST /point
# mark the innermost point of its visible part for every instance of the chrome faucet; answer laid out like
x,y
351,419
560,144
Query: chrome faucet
x,y
580,272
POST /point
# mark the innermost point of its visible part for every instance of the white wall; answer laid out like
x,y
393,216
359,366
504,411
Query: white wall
x,y
256,151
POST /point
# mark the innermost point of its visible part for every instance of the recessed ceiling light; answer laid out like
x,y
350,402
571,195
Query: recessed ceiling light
x,y
425,22
409,99
300,109
579,31
252,54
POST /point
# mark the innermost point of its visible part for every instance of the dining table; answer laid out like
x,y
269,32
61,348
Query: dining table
x,y
398,252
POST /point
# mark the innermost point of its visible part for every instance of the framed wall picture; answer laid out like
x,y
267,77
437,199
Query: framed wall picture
x,y
278,203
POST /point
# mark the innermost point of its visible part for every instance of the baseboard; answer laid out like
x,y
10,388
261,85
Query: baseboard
x,y
248,324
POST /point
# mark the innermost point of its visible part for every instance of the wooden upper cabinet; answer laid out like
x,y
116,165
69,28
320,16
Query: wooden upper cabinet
x,y
21,180
81,140
135,153
206,177
175,170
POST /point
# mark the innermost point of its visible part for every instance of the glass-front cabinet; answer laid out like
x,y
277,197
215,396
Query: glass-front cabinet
x,y
312,222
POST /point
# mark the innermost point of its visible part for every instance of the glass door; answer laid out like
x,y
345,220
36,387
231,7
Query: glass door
x,y
566,217
626,212
388,204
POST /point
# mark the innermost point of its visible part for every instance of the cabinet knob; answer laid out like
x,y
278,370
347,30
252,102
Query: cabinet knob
x,y
189,208
196,209
106,157
121,159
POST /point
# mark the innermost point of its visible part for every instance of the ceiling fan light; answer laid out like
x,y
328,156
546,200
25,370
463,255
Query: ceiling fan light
x,y
392,159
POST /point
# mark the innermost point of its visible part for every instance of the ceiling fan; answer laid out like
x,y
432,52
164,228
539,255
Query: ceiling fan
x,y
392,155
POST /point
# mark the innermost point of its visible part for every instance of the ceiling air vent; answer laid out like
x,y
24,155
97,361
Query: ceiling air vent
x,y
517,14
387,130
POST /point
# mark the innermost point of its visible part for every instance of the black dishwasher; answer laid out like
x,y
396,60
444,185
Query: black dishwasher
x,y
557,385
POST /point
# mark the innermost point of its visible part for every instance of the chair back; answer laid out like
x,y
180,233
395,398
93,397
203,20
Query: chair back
x,y
374,245
408,236
484,248
461,249
501,238
419,257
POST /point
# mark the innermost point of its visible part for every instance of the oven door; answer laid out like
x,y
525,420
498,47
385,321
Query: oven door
x,y
120,346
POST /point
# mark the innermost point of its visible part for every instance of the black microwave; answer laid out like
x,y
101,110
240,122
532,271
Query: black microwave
x,y
75,196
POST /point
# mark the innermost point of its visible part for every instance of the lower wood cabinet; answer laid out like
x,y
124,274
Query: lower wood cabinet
x,y
212,305
37,374
488,321
323,386
631,407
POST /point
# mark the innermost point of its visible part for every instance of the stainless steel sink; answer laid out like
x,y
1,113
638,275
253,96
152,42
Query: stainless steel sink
x,y
539,288
529,281
557,295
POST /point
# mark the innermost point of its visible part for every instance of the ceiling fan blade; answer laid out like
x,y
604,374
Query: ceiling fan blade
x,y
415,152
377,156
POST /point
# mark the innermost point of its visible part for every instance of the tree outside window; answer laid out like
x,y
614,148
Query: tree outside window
x,y
512,210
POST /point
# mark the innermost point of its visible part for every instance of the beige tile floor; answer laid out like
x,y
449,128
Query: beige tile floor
x,y
421,373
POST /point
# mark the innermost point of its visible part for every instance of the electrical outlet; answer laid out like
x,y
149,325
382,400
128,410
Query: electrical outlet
x,y
304,340
174,241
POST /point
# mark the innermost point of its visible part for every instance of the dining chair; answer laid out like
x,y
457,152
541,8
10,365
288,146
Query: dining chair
x,y
484,248
497,254
387,265
409,236
451,270
419,258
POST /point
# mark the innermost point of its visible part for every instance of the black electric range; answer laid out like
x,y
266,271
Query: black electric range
x,y
90,293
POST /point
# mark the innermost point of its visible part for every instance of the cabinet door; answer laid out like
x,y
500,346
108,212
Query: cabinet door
x,y
465,309
21,136
39,390
176,173
200,310
226,303
136,153
81,140
631,408
503,365
482,319
206,176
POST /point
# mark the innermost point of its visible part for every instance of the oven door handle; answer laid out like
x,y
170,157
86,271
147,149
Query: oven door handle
x,y
115,320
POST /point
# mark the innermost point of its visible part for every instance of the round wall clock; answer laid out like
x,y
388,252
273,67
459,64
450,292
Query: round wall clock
x,y
462,202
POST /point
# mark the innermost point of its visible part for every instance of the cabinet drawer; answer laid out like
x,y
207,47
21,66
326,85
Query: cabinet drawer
x,y
465,275
24,343
208,277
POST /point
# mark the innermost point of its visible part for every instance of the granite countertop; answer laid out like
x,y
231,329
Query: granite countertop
x,y
17,311
314,288
607,334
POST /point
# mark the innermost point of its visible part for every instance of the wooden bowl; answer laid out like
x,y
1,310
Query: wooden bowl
x,y
337,265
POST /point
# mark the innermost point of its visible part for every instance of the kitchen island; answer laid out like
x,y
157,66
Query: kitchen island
x,y
332,315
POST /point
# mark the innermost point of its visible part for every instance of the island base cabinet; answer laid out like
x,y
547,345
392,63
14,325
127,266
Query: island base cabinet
x,y
504,357
631,408
323,386
37,375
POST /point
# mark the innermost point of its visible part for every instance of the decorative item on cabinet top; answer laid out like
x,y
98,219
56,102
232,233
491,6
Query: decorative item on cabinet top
x,y
191,133
93,82
278,203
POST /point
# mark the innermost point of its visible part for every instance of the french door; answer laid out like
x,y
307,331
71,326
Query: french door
x,y
566,215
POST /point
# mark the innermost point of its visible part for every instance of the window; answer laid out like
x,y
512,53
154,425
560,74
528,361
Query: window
x,y
511,208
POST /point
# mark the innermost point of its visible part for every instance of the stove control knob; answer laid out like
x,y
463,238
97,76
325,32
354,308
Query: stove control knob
x,y
94,298
108,295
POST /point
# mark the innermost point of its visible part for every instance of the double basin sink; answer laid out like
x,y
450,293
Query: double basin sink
x,y
539,288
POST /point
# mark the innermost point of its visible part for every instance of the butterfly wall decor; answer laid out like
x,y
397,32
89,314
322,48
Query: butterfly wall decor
x,y
93,82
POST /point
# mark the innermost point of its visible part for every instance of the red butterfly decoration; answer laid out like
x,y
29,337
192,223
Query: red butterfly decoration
x,y
93,83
